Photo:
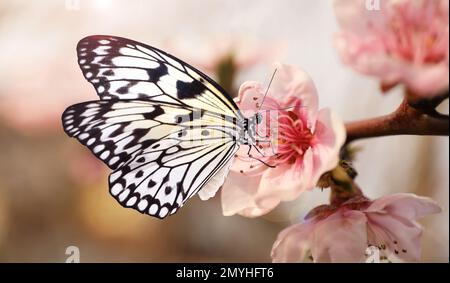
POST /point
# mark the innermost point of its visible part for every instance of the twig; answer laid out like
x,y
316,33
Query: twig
x,y
412,117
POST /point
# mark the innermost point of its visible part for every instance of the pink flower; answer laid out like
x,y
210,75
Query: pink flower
x,y
308,144
342,234
402,42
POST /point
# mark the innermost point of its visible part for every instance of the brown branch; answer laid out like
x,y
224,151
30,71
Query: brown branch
x,y
410,118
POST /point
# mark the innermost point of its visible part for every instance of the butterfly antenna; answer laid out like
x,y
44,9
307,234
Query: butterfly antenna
x,y
267,90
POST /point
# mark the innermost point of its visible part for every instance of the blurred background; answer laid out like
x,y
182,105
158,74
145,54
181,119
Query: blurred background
x,y
53,192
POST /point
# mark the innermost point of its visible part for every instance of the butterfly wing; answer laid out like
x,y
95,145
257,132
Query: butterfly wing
x,y
165,128
121,68
160,179
115,130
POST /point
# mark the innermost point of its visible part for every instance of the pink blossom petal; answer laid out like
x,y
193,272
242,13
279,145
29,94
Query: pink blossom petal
x,y
250,97
238,195
342,237
391,221
242,163
287,182
253,196
293,243
329,137
401,236
292,83
428,80
408,206
247,92
369,58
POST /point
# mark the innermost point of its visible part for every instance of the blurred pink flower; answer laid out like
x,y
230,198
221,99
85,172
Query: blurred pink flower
x,y
226,56
308,144
342,234
33,98
402,42
245,52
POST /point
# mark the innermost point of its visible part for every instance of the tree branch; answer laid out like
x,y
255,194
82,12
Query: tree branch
x,y
410,118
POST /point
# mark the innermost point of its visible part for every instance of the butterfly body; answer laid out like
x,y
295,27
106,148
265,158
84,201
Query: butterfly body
x,y
166,130
248,133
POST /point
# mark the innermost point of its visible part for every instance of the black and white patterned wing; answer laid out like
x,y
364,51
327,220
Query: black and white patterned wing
x,y
116,130
159,180
166,129
162,154
121,68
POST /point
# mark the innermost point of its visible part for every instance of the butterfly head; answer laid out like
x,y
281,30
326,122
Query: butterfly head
x,y
250,128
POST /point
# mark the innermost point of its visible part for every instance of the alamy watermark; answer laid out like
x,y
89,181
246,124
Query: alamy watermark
x,y
72,5
73,253
373,5
373,254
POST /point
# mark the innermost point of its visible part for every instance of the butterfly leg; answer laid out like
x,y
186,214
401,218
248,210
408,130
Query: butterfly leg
x,y
249,155
264,140
271,146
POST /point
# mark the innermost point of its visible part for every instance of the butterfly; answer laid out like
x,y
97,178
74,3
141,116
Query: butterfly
x,y
166,130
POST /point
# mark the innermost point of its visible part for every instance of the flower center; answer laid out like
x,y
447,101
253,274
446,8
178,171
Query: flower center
x,y
294,138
